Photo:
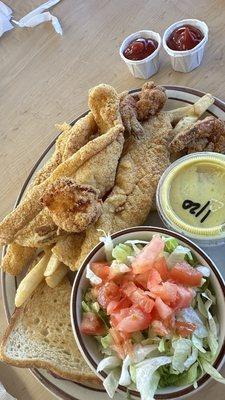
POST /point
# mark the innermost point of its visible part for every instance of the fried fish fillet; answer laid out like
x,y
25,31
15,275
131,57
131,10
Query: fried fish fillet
x,y
104,152
138,174
16,258
67,249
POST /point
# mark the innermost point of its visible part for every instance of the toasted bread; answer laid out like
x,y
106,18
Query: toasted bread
x,y
40,335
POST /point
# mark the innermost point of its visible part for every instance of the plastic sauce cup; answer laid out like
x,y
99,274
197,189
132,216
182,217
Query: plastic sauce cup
x,y
191,197
186,61
147,67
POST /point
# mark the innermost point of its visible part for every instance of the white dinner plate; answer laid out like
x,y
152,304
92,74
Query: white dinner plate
x,y
178,96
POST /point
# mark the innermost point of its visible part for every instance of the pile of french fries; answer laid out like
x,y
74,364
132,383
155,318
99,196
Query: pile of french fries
x,y
48,268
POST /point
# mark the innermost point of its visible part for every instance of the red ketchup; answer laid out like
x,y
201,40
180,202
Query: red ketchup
x,y
184,38
140,48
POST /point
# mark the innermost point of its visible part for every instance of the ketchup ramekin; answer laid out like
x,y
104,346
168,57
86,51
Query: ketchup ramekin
x,y
147,67
186,61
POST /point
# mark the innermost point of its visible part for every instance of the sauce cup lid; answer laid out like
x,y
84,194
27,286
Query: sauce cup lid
x,y
190,197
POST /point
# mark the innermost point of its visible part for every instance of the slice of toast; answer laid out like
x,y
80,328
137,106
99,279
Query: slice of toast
x,y
40,335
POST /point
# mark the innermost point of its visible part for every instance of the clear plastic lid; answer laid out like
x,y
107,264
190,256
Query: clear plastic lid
x,y
191,197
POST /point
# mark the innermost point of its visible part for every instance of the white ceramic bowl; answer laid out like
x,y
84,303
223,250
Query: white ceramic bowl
x,y
88,345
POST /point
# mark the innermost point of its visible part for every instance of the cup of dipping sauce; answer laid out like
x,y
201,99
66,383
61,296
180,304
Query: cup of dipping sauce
x,y
191,197
140,52
185,42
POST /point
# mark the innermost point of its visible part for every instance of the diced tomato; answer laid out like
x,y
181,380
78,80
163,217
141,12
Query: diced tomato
x,y
91,324
186,275
163,309
135,321
120,279
121,342
138,297
185,329
146,258
153,279
115,306
184,297
107,293
100,269
159,328
161,266
141,280
167,291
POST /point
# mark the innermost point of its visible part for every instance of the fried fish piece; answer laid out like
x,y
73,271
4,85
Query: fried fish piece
x,y
104,102
209,130
138,174
67,249
41,231
16,258
103,152
72,206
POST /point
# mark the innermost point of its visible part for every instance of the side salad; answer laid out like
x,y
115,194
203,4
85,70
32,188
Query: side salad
x,y
153,313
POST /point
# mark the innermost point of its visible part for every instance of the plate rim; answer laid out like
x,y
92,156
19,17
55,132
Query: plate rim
x,y
50,386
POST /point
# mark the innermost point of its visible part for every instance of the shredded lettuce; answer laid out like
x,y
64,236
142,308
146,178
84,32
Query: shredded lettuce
x,y
192,358
210,370
213,343
125,378
177,256
121,252
94,279
106,341
141,352
85,306
133,371
170,244
146,377
111,382
205,271
191,315
198,343
182,350
211,321
186,378
108,244
161,346
137,337
109,363
117,268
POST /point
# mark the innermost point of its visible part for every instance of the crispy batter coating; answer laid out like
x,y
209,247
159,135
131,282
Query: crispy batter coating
x,y
41,231
104,103
72,207
138,174
16,258
208,133
152,100
103,152
67,249
128,110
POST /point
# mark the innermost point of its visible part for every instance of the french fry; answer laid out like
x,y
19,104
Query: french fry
x,y
194,110
54,279
32,280
52,266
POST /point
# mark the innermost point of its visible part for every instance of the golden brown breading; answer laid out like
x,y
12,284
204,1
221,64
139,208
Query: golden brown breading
x,y
67,249
16,258
72,207
104,152
152,100
138,174
128,112
41,231
103,101
210,130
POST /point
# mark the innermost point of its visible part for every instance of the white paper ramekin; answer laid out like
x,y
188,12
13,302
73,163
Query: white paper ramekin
x,y
186,61
147,67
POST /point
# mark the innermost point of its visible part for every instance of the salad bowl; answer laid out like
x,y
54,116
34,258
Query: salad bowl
x,y
208,306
